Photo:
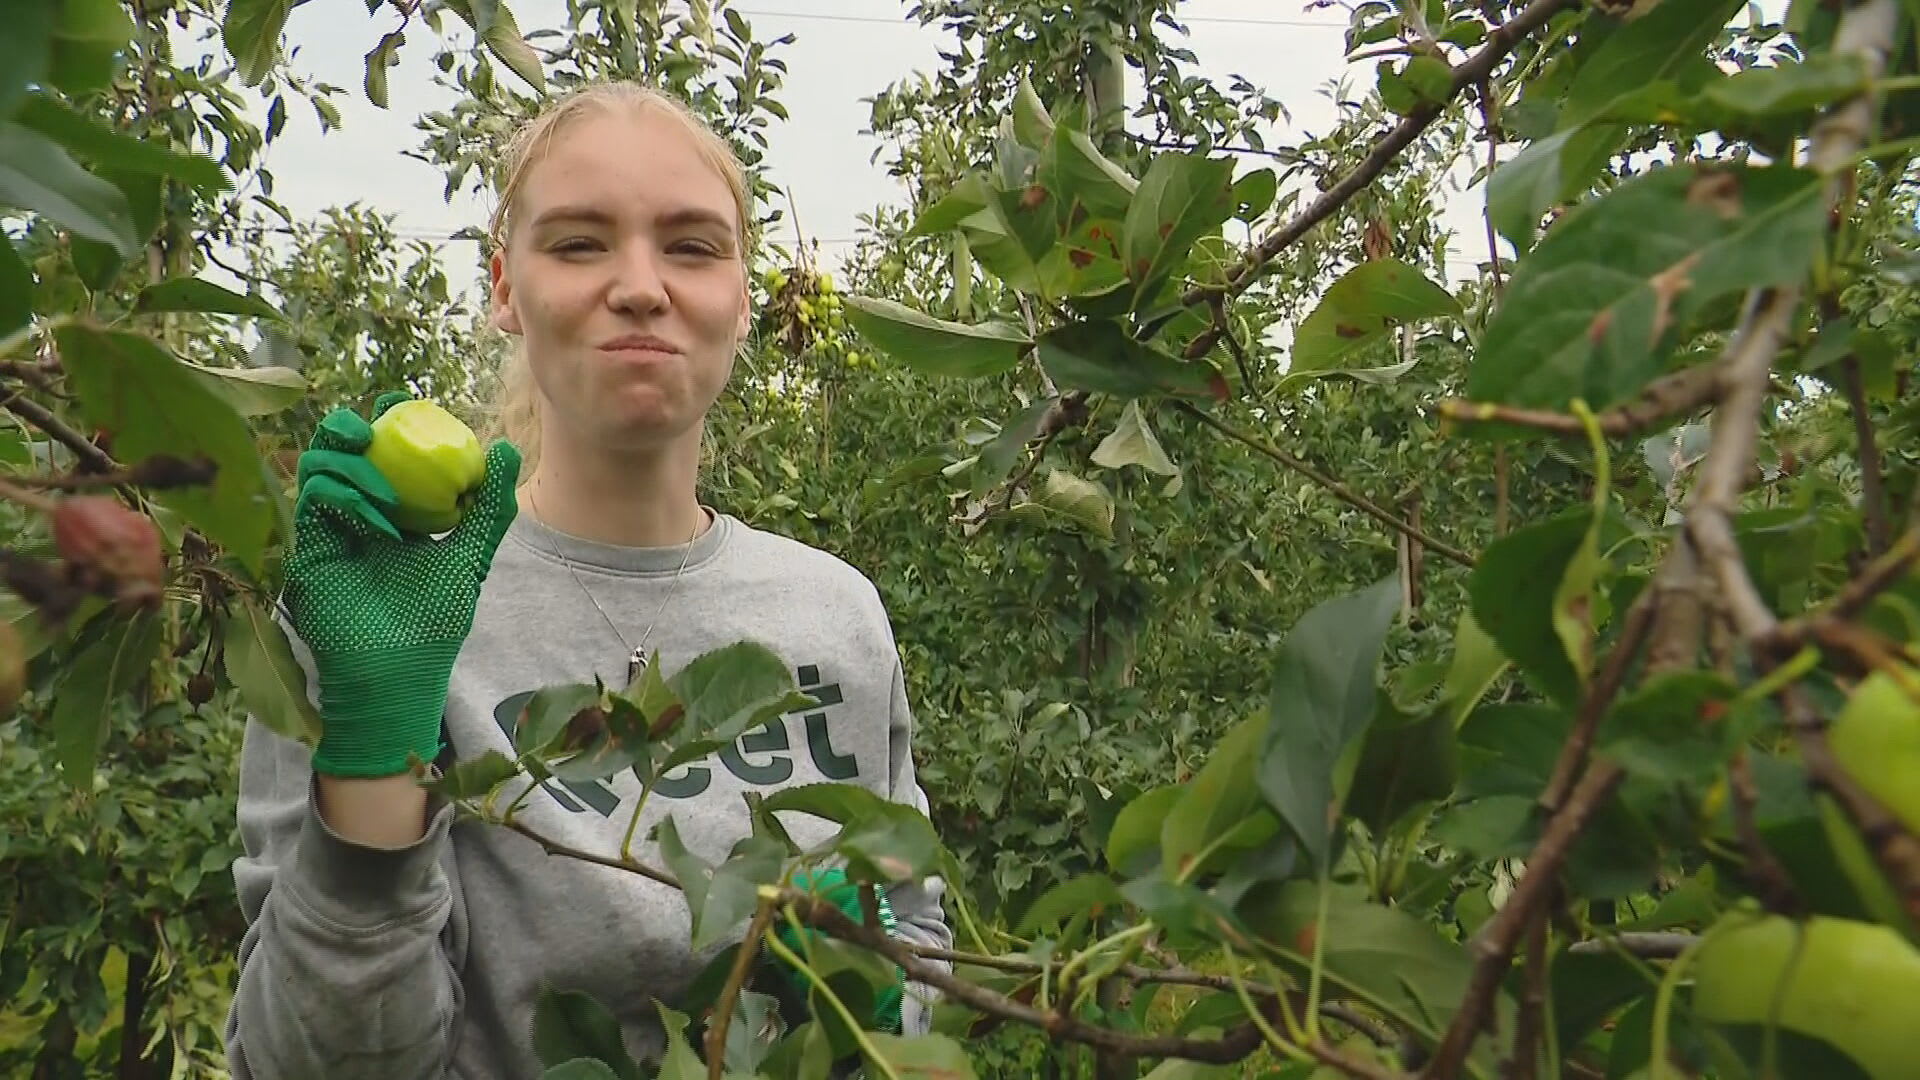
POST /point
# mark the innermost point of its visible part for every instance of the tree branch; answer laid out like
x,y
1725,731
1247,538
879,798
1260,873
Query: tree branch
x,y
1493,947
1893,847
555,847
736,980
1664,398
1502,40
39,416
1606,686
1525,1062
1647,946
1873,497
1333,487
1775,885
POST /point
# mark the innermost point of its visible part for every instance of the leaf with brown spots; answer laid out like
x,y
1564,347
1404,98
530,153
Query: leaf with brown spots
x,y
1590,312
1359,309
1183,197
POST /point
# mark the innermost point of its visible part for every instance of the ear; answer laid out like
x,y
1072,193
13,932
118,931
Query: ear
x,y
503,315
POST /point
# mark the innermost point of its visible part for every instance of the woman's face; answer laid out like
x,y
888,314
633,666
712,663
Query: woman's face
x,y
623,273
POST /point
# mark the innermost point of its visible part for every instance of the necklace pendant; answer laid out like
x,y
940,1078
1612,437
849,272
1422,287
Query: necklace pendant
x,y
636,664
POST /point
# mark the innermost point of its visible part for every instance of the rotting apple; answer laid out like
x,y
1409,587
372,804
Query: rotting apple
x,y
433,461
1850,984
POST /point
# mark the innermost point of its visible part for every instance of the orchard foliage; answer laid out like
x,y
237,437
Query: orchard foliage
x,y
1584,749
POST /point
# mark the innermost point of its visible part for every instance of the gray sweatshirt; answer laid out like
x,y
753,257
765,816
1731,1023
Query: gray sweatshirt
x,y
426,961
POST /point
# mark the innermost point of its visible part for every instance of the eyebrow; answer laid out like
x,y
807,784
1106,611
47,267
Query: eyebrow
x,y
589,215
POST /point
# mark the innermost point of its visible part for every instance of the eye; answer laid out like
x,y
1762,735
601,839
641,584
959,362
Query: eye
x,y
574,245
696,247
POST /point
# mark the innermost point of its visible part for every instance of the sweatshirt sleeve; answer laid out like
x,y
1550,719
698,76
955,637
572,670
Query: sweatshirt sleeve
x,y
916,907
349,964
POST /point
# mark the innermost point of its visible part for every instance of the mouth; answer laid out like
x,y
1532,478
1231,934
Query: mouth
x,y
636,345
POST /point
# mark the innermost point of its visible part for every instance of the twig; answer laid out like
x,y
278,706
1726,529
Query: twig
x,y
157,471
1605,687
1873,497
1647,946
736,980
1491,125
1502,40
1493,947
1359,1021
39,416
1877,577
555,847
32,500
1288,156
1334,487
1525,1061
1666,397
1775,885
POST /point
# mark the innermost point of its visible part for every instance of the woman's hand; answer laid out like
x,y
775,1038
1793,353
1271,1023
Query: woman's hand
x,y
384,614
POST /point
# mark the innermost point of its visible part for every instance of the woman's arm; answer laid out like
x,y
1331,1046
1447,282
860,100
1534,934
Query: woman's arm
x,y
349,966
916,906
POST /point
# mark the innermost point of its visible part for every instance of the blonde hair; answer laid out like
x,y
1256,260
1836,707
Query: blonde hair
x,y
515,413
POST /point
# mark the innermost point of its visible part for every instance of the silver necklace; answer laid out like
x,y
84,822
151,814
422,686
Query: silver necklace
x,y
637,654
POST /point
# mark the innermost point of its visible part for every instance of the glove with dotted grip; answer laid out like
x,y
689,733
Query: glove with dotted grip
x,y
383,613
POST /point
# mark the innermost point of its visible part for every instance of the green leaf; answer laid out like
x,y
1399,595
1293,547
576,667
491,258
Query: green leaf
x,y
883,840
259,659
503,38
193,294
1079,174
727,691
254,391
1253,193
252,35
381,57
1084,502
580,1069
1031,122
1591,313
1132,442
1215,802
1477,661
720,898
922,1057
1512,589
37,175
26,50
546,715
115,151
680,1062
1385,957
1406,760
935,346
1575,619
1789,88
1183,197
154,404
1670,37
16,289
1549,171
569,1025
1675,728
966,198
1082,895
95,679
1136,829
476,778
1101,357
1510,749
1322,699
87,45
1360,308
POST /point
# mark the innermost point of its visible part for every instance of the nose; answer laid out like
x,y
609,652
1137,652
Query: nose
x,y
638,287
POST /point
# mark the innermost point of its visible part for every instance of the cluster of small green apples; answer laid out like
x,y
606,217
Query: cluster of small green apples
x,y
805,316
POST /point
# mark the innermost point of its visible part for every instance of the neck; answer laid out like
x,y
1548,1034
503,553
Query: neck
x,y
638,499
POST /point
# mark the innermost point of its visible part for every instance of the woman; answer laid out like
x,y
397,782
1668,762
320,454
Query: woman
x,y
385,942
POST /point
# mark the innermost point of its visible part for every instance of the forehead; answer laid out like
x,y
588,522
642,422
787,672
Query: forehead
x,y
632,164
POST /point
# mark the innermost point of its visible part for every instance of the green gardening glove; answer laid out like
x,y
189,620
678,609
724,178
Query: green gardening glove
x,y
832,886
383,613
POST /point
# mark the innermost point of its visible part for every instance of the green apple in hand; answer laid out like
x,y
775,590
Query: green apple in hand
x,y
432,459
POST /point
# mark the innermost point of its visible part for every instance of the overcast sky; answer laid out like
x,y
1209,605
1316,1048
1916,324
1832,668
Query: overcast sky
x,y
844,50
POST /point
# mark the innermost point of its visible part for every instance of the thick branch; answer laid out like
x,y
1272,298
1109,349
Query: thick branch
x,y
39,416
1334,487
1503,40
1493,947
1525,1062
1873,496
1664,398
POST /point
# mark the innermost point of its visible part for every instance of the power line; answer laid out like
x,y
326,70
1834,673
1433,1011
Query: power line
x,y
875,20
